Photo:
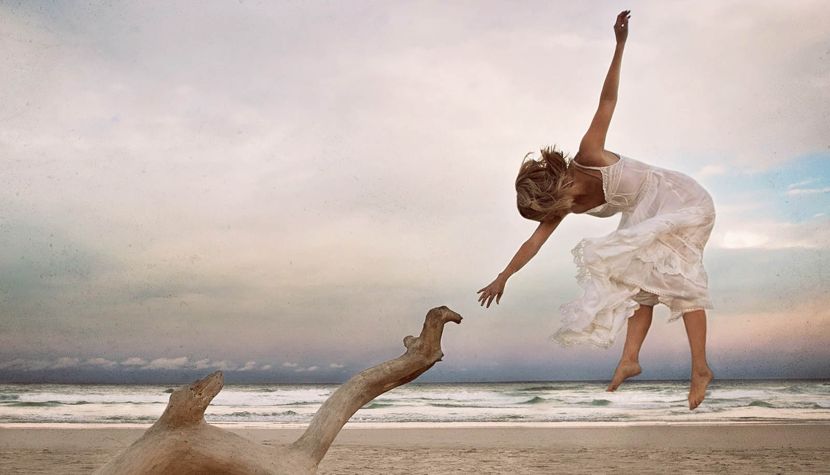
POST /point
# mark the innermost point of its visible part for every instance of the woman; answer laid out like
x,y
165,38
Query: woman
x,y
654,256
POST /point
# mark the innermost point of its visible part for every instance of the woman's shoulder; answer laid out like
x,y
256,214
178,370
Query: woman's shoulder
x,y
598,159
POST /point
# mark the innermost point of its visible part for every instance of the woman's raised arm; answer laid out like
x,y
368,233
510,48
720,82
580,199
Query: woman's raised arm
x,y
522,257
592,147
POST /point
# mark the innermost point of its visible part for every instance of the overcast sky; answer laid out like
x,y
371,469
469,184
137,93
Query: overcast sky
x,y
283,189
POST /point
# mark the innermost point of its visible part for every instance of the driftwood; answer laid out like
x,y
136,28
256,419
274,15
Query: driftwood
x,y
182,442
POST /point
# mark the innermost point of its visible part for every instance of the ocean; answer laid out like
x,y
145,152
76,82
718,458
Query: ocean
x,y
441,403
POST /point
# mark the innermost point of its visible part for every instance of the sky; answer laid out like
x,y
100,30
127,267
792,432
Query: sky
x,y
282,190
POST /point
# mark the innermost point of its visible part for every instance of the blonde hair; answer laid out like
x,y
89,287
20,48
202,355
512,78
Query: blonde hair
x,y
540,183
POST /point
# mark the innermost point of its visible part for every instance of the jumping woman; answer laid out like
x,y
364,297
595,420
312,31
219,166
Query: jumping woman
x,y
654,256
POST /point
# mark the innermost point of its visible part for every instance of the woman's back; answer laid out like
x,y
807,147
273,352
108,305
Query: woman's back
x,y
640,191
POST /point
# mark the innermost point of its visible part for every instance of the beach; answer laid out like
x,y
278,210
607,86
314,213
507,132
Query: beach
x,y
530,427
475,448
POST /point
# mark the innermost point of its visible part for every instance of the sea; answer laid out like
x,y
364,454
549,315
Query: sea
x,y
573,403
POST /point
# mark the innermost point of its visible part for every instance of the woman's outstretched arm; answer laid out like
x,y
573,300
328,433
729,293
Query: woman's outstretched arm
x,y
592,147
522,257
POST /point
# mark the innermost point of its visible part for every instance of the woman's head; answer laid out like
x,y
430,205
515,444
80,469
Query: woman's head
x,y
541,185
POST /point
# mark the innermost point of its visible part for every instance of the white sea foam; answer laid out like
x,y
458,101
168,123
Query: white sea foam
x,y
534,402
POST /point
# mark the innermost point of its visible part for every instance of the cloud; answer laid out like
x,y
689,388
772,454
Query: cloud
x,y
206,363
65,362
250,365
309,369
766,234
802,183
203,364
712,170
131,363
808,191
157,364
743,240
183,362
20,364
134,361
101,362
168,363
799,188
225,365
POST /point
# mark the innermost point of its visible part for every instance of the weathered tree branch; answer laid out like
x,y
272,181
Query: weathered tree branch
x,y
421,353
182,442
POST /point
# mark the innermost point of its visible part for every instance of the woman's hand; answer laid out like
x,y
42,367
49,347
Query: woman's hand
x,y
492,291
621,26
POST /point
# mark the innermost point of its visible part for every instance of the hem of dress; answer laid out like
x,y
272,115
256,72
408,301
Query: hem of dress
x,y
675,314
604,336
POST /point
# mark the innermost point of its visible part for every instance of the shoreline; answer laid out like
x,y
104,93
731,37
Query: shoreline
x,y
427,425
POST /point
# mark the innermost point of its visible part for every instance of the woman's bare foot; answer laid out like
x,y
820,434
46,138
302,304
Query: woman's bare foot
x,y
625,370
699,382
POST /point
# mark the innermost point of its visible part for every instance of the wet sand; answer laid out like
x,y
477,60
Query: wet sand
x,y
736,448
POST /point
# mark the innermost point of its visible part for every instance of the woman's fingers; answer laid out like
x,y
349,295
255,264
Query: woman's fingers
x,y
484,298
488,294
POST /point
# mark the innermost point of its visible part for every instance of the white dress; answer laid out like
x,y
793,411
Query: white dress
x,y
666,220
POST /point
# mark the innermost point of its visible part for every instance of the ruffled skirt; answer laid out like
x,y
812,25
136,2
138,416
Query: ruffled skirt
x,y
662,255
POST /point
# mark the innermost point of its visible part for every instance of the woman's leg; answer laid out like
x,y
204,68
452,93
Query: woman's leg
x,y
638,325
701,374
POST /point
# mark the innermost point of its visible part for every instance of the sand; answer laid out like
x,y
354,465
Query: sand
x,y
736,448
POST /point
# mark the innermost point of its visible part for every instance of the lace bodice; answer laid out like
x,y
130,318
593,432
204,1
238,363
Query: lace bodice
x,y
622,182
